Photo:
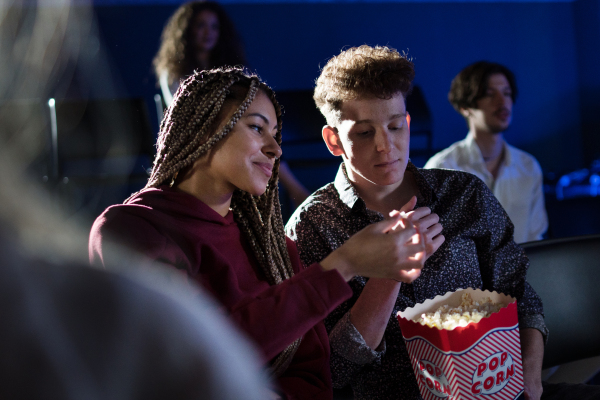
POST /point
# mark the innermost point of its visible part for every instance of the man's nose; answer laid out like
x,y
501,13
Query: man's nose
x,y
502,99
383,141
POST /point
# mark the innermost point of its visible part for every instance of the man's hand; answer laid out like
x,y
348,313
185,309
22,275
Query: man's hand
x,y
532,350
427,223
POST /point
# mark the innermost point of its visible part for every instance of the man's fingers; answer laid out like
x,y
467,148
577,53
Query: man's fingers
x,y
432,231
438,240
434,244
423,218
410,205
419,213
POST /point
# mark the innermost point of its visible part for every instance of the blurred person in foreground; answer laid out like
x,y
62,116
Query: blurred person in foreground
x,y
468,236
201,36
484,94
211,210
70,331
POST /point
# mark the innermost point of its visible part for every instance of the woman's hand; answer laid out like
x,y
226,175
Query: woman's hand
x,y
393,249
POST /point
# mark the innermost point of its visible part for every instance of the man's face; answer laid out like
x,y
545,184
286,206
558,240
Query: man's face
x,y
494,110
373,138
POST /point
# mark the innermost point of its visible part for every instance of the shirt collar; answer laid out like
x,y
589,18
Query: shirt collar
x,y
425,183
474,153
349,196
507,154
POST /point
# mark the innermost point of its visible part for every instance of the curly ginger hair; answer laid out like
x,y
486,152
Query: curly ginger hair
x,y
362,72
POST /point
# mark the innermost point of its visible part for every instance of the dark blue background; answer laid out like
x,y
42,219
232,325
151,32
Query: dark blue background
x,y
551,46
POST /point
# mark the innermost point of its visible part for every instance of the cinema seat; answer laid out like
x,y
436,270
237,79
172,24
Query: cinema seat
x,y
566,274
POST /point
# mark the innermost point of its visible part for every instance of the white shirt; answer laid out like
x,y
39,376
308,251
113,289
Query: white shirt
x,y
168,91
518,186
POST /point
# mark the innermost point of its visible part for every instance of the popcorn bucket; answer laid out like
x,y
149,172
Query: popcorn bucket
x,y
479,361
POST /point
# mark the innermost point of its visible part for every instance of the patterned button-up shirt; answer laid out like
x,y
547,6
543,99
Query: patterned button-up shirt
x,y
479,252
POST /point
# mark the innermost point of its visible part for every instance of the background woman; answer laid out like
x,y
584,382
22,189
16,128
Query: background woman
x,y
211,209
199,35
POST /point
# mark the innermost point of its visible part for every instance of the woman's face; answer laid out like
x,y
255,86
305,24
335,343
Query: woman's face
x,y
205,31
244,158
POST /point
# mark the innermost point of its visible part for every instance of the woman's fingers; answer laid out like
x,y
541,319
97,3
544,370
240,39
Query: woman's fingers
x,y
416,251
408,276
392,223
404,229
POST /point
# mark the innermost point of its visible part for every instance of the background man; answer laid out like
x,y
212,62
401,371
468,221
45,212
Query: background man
x,y
484,94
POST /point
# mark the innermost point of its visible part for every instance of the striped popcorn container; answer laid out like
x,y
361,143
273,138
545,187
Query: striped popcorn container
x,y
479,361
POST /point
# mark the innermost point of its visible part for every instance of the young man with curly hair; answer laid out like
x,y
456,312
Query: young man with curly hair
x,y
484,94
469,237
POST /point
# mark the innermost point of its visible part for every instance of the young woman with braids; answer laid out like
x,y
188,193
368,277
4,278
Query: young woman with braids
x,y
211,209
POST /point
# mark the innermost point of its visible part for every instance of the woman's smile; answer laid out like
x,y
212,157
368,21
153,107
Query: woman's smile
x,y
265,167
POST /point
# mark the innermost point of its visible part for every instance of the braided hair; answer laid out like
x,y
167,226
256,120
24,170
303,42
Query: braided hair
x,y
187,132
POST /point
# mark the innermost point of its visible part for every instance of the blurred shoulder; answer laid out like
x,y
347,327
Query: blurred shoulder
x,y
524,160
450,157
449,179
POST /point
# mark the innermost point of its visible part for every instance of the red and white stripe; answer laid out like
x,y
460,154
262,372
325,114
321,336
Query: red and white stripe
x,y
459,368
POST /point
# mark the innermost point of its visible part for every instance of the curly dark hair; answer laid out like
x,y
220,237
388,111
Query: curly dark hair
x,y
176,50
470,84
362,71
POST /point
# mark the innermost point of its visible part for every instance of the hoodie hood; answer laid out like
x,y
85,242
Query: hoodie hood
x,y
179,205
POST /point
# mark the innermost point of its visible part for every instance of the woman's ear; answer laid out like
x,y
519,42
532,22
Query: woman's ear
x,y
332,140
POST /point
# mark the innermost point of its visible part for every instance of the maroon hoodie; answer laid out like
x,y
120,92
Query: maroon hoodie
x,y
177,229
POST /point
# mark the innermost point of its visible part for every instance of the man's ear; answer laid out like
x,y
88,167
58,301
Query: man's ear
x,y
465,112
332,140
